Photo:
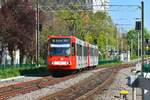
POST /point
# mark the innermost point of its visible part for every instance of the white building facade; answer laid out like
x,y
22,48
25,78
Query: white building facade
x,y
100,5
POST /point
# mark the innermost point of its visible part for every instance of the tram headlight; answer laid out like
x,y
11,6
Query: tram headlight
x,y
51,63
68,63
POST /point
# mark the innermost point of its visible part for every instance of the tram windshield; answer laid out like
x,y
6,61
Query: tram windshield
x,y
59,51
59,47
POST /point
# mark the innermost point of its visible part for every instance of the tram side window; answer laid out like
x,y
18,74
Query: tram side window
x,y
91,51
73,49
95,52
79,50
85,51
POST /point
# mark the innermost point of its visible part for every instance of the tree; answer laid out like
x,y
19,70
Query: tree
x,y
132,38
17,23
86,25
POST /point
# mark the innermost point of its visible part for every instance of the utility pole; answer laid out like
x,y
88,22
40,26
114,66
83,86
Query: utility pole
x,y
142,49
37,34
106,37
138,45
117,44
122,46
131,52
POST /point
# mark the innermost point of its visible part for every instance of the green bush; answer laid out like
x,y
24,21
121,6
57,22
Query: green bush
x,y
102,62
134,56
9,73
110,64
17,71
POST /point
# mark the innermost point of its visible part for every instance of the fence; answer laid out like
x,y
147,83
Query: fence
x,y
147,67
101,62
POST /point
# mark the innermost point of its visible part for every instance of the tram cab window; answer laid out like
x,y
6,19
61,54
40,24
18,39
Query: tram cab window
x,y
73,49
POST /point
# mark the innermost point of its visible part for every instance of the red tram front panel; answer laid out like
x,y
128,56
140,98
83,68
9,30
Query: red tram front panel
x,y
62,53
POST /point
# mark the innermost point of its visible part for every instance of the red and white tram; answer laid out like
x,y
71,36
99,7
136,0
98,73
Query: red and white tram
x,y
70,53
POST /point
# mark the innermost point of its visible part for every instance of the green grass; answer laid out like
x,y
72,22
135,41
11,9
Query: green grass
x,y
110,64
18,71
9,73
30,70
136,57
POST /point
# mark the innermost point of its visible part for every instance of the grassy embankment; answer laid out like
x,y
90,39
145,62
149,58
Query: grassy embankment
x,y
18,71
110,64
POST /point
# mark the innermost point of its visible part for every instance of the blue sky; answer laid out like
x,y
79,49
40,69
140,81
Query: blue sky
x,y
126,16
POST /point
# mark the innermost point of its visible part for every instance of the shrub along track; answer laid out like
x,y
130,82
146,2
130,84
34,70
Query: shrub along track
x,y
89,86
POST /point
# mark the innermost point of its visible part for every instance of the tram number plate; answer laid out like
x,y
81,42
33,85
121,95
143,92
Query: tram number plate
x,y
60,63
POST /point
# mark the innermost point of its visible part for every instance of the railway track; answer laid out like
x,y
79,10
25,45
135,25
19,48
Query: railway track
x,y
100,87
87,87
29,86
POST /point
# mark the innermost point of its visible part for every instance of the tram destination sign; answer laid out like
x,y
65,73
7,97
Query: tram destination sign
x,y
60,40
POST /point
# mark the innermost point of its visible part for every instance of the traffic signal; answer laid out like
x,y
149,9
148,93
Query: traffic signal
x,y
147,41
138,25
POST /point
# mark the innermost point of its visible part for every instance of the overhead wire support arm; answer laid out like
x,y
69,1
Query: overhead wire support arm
x,y
96,5
78,9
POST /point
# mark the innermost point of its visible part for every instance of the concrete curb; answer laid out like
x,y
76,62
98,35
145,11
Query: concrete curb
x,y
11,79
